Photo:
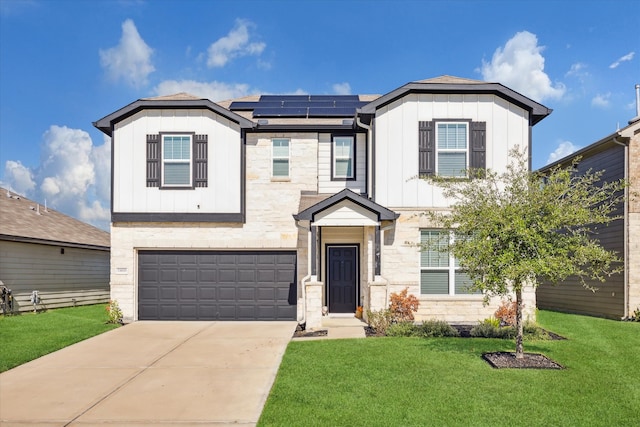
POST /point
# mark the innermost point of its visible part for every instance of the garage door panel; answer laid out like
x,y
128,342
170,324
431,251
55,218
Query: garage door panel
x,y
216,285
188,293
246,293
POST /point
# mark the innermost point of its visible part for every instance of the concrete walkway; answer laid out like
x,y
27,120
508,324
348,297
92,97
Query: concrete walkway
x,y
151,373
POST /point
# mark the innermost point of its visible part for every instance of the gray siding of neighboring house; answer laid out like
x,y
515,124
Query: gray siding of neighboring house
x,y
76,277
570,295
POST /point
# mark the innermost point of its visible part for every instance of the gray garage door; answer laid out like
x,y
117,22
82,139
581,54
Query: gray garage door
x,y
206,285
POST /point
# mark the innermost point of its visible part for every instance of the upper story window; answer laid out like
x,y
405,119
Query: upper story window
x,y
343,157
451,153
177,160
280,158
450,148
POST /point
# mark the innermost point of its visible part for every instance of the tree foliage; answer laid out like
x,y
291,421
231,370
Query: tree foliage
x,y
519,228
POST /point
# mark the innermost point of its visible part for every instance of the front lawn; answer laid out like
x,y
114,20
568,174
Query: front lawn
x,y
28,336
445,382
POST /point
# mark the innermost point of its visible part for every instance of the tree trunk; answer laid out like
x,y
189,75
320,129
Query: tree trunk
x,y
519,327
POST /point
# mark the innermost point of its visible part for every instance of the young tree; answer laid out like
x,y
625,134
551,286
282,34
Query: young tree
x,y
518,228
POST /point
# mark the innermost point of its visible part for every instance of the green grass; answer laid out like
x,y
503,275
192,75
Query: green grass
x,y
28,336
444,381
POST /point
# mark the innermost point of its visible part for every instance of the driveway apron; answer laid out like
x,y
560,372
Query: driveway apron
x,y
151,373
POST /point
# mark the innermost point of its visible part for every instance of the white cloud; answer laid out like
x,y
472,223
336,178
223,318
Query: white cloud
x,y
215,91
627,57
342,88
520,66
18,177
601,100
577,69
130,60
564,149
73,175
235,44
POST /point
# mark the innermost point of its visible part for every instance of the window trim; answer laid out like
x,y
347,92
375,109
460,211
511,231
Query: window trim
x,y
466,150
287,158
334,138
452,268
190,162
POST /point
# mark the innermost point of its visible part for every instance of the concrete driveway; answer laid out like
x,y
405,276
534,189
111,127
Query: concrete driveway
x,y
151,373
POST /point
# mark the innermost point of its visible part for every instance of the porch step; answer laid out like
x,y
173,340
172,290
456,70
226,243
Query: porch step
x,y
346,332
342,322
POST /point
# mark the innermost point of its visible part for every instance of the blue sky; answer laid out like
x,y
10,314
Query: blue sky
x,y
65,64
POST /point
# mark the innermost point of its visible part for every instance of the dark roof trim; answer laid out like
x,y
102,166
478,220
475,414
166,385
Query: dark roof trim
x,y
383,213
176,217
591,148
305,127
106,123
538,111
21,239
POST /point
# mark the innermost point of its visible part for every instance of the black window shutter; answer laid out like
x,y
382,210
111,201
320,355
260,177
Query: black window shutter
x,y
426,148
478,145
153,160
200,154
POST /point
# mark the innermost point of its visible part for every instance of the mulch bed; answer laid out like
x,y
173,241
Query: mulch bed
x,y
503,359
307,334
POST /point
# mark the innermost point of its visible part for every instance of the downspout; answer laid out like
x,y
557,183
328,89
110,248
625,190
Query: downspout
x,y
369,157
306,278
627,309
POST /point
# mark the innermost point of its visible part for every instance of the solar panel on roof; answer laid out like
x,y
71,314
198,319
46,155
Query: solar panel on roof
x,y
280,112
284,98
337,98
332,112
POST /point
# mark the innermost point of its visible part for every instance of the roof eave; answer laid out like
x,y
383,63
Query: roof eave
x,y
538,111
106,123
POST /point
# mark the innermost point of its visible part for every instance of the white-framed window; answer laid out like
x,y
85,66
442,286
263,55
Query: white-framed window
x,y
440,273
176,161
452,144
280,155
343,157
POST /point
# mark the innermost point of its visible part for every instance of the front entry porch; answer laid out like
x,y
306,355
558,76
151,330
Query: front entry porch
x,y
344,247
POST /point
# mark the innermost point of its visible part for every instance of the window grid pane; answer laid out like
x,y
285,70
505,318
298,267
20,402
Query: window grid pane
x,y
343,157
435,254
280,167
434,282
177,173
452,164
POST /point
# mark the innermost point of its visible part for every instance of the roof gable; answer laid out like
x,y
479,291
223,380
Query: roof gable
x,y
382,213
451,84
177,101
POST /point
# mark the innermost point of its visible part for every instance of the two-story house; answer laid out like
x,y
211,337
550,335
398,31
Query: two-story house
x,y
287,207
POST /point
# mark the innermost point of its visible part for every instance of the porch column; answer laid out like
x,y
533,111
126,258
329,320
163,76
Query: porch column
x,y
313,305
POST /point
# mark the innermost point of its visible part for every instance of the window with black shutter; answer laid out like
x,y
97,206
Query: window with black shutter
x,y
177,160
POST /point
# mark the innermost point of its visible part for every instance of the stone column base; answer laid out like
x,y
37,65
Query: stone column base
x,y
313,304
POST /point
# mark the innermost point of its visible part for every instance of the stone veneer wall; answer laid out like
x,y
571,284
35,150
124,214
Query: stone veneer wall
x,y
401,267
633,223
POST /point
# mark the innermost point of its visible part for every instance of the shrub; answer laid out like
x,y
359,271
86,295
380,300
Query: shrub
x,y
380,320
636,315
114,312
402,329
436,328
488,329
506,313
403,306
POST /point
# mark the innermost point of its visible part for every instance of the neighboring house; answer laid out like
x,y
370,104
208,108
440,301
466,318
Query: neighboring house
x,y
272,207
65,260
619,156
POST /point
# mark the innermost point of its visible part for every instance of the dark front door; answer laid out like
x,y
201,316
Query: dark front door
x,y
342,274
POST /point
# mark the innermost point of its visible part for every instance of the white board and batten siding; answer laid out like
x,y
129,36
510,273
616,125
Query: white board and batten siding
x,y
507,126
326,185
222,195
76,277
